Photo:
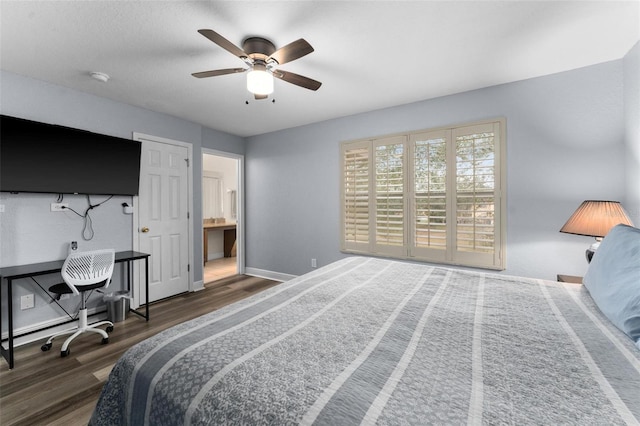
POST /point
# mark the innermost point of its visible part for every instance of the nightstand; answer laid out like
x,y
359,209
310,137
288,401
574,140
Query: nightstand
x,y
569,279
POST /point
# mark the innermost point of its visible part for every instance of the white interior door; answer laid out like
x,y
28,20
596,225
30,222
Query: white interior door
x,y
163,222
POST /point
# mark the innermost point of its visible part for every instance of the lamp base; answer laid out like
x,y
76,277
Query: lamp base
x,y
592,250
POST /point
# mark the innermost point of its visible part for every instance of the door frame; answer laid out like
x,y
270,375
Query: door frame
x,y
139,276
240,257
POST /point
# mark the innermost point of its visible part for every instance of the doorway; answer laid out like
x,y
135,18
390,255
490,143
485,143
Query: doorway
x,y
221,213
162,226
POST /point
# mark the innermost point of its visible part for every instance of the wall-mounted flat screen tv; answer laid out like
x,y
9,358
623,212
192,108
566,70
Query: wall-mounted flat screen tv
x,y
38,157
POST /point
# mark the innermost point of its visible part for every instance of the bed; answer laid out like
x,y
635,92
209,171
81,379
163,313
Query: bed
x,y
372,341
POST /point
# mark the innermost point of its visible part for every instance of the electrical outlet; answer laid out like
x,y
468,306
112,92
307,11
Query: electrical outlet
x,y
314,264
27,301
58,207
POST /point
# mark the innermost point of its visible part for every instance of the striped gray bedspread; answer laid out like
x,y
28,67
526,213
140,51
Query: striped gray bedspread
x,y
370,341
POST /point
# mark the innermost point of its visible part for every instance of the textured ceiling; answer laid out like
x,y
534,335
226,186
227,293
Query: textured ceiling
x,y
368,55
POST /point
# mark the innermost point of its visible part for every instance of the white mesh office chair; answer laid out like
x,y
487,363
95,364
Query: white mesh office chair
x,y
82,272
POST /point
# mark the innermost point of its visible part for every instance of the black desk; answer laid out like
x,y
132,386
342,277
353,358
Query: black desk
x,y
11,273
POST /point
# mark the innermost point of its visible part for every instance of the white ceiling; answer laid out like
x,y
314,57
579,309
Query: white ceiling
x,y
368,55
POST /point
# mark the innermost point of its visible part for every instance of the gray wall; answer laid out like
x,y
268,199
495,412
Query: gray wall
x,y
632,132
29,232
565,144
570,137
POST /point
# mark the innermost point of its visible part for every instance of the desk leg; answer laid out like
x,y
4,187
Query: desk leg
x,y
146,285
129,278
10,305
146,289
8,353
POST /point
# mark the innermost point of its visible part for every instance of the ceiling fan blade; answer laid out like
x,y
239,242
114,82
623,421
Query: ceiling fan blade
x,y
298,80
214,73
224,43
292,51
258,97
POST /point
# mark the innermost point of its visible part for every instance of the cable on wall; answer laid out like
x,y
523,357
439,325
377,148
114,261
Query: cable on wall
x,y
87,230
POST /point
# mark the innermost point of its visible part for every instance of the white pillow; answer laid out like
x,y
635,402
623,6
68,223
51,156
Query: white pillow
x,y
613,279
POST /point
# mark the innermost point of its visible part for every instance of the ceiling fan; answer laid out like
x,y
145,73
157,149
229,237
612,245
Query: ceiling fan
x,y
262,58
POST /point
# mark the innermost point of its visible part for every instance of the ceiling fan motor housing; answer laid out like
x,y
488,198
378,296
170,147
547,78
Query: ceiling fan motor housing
x,y
258,48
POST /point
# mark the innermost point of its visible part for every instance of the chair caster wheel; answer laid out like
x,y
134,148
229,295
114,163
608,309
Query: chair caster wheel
x,y
109,329
65,353
45,347
105,340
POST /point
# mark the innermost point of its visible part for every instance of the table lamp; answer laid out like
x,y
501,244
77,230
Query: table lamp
x,y
594,218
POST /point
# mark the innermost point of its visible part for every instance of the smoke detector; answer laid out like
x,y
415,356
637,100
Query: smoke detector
x,y
100,76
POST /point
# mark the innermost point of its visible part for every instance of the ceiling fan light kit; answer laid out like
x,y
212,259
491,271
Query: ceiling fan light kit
x,y
259,80
262,58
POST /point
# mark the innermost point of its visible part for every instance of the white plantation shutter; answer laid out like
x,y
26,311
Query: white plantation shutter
x,y
433,195
356,171
477,204
429,185
389,187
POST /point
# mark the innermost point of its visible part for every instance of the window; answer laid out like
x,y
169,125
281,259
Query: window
x,y
433,195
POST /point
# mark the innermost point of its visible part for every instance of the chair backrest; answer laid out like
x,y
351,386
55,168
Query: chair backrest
x,y
88,268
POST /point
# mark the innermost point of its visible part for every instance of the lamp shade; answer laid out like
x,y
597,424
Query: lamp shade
x,y
259,80
595,218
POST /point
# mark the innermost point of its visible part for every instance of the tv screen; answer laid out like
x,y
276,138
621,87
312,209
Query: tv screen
x,y
38,157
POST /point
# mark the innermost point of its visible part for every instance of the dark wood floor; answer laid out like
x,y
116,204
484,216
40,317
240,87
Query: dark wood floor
x,y
46,389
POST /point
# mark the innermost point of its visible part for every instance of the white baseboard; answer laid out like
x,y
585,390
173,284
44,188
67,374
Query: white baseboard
x,y
215,256
56,324
198,285
270,275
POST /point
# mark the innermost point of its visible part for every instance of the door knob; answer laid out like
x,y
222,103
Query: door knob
x,y
144,229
